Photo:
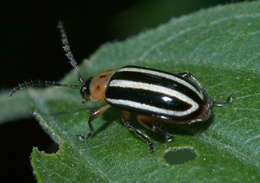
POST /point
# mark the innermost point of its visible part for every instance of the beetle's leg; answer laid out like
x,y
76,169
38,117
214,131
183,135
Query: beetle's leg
x,y
228,100
149,123
188,75
126,116
92,117
139,133
168,136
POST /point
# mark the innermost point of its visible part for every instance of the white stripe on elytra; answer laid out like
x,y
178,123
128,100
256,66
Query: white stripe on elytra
x,y
147,107
153,88
164,75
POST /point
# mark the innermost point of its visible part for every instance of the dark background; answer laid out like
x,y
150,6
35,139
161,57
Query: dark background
x,y
31,50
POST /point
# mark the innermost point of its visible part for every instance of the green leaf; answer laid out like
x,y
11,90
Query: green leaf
x,y
221,47
15,107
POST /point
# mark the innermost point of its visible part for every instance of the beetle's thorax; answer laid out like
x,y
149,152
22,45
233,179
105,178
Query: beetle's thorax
x,y
98,85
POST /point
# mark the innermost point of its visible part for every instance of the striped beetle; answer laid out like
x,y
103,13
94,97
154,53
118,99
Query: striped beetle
x,y
156,96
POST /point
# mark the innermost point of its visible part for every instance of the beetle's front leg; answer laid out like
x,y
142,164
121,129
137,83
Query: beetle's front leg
x,y
139,133
92,117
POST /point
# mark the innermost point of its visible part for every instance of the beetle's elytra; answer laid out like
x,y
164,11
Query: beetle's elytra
x,y
155,96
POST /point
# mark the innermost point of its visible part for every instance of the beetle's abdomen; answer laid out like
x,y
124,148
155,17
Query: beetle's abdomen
x,y
155,93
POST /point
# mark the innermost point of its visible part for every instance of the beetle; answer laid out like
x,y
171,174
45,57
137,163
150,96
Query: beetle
x,y
155,96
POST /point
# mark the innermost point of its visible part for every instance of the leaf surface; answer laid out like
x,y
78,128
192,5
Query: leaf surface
x,y
15,107
221,47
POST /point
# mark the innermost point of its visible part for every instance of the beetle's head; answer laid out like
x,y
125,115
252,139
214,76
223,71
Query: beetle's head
x,y
94,89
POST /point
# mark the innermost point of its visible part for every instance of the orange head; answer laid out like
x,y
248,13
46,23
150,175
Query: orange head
x,y
94,88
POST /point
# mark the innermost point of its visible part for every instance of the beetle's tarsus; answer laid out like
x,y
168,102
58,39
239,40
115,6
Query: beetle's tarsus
x,y
85,137
169,137
228,100
151,147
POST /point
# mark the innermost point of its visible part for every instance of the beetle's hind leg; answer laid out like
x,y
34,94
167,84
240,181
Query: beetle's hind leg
x,y
91,118
151,124
188,75
139,133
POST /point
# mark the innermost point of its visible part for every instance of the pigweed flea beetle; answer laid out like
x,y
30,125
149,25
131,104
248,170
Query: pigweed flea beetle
x,y
155,96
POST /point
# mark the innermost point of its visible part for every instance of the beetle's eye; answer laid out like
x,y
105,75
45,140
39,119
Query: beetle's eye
x,y
83,90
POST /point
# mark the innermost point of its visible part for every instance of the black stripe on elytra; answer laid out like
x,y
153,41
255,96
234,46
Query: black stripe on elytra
x,y
115,93
147,97
157,80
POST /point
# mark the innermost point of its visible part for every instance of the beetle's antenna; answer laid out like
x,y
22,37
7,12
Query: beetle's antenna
x,y
68,52
44,84
39,84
